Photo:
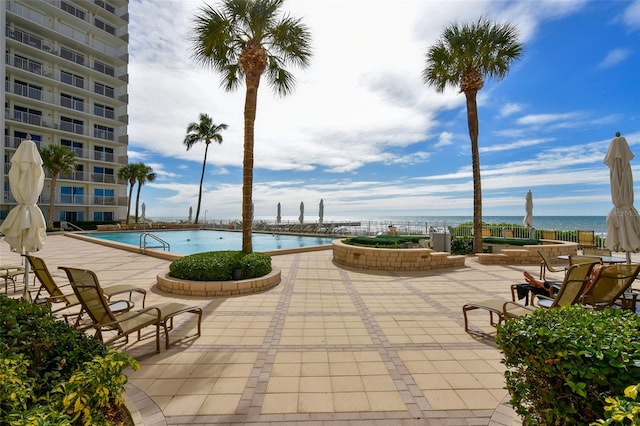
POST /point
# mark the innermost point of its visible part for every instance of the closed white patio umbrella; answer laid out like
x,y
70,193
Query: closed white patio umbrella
x,y
623,221
301,217
278,215
25,228
528,208
321,213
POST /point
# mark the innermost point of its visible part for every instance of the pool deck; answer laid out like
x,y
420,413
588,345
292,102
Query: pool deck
x,y
329,345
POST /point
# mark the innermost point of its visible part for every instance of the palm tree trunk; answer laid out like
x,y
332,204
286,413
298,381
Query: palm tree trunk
x,y
52,194
204,163
472,122
129,203
138,200
251,101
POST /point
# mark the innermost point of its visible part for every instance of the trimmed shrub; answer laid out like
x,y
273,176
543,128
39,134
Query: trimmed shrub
x,y
219,266
384,241
563,363
53,374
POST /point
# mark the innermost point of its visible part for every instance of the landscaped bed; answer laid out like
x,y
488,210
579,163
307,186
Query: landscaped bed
x,y
385,241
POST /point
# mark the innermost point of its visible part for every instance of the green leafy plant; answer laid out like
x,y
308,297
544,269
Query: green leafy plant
x,y
622,410
219,266
48,369
563,363
384,241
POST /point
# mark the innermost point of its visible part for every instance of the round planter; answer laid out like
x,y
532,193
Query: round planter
x,y
218,288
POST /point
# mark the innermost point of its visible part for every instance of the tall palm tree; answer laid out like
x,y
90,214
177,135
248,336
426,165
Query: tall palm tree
x,y
205,130
56,159
144,174
128,173
245,39
462,58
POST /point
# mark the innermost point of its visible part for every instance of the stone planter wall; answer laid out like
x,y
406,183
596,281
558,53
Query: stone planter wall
x,y
410,259
217,288
528,255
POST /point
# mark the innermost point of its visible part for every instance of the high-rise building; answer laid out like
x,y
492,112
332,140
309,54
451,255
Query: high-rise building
x,y
65,74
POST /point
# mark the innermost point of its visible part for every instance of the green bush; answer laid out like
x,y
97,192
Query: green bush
x,y
219,266
511,241
563,363
461,245
624,410
384,241
41,359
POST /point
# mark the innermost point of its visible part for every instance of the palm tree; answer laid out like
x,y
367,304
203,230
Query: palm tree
x,y
205,130
244,40
462,58
143,174
128,173
56,159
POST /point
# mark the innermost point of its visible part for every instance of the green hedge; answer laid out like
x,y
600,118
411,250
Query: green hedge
x,y
510,241
219,266
53,374
384,241
563,363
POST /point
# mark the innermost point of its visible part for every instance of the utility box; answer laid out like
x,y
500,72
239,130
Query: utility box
x,y
441,241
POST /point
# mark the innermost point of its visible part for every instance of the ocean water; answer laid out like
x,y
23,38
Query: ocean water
x,y
551,223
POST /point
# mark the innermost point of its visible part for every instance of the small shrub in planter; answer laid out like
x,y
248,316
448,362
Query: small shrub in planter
x,y
563,363
219,266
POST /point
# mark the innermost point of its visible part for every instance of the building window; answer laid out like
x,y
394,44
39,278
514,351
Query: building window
x,y
73,102
103,174
103,89
27,115
72,79
105,27
71,195
73,146
28,64
103,132
102,216
103,197
103,111
71,216
72,55
20,136
104,68
73,10
103,153
27,89
72,125
106,6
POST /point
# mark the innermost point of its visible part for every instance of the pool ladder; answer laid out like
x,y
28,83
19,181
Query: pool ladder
x,y
143,242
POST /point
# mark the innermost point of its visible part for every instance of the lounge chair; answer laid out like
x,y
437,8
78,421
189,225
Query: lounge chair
x,y
88,290
55,292
586,239
10,273
546,265
609,285
570,291
596,252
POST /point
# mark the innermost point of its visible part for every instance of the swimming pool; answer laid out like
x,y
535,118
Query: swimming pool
x,y
198,241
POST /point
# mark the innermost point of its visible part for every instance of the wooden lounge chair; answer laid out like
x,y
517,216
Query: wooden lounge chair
x,y
56,296
569,292
105,319
609,285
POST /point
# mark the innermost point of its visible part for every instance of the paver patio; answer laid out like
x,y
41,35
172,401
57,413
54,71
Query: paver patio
x,y
326,346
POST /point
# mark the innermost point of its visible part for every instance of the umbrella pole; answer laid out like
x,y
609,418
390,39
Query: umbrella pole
x,y
25,291
628,257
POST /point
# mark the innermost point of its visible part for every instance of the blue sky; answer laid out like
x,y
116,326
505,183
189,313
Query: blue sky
x,y
364,133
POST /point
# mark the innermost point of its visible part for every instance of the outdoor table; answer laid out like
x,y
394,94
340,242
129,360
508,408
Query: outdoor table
x,y
605,259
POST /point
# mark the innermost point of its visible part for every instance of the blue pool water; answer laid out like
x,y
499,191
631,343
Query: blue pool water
x,y
189,242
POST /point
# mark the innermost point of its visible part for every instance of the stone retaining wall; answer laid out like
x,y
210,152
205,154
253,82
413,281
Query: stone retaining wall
x,y
528,254
217,288
409,259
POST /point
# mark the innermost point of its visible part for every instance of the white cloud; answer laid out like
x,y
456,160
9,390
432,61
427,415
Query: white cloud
x,y
631,16
613,58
